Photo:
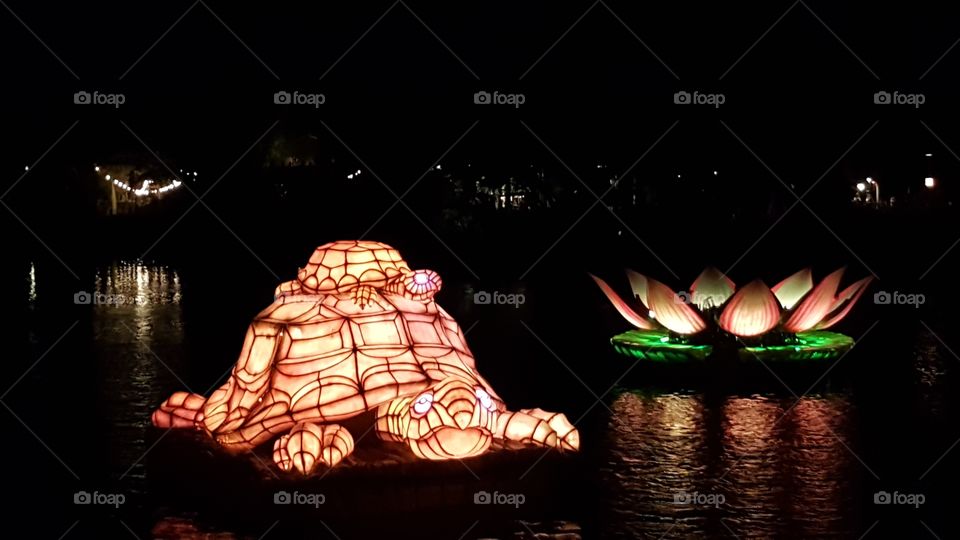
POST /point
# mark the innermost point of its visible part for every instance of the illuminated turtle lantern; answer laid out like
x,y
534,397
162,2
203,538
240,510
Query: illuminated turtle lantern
x,y
311,360
787,322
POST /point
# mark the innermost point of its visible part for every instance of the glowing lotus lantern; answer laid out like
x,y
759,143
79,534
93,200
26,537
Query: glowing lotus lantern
x,y
358,331
786,321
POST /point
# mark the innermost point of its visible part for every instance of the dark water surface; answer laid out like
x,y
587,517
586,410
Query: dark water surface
x,y
671,453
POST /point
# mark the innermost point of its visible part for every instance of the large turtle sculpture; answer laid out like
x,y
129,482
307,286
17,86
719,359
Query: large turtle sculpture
x,y
323,353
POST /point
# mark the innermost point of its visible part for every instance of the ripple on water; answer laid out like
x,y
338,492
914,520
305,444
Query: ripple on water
x,y
753,465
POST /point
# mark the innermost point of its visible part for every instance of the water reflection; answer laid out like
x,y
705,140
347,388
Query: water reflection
x,y
136,283
687,465
138,329
32,284
930,369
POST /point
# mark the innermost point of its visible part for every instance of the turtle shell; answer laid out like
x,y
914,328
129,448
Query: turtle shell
x,y
341,266
335,360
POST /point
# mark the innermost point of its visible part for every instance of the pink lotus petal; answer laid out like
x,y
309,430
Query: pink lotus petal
x,y
670,310
711,288
816,305
850,295
754,310
628,313
792,289
638,282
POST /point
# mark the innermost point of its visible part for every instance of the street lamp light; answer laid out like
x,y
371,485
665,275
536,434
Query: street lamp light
x,y
929,182
876,189
861,186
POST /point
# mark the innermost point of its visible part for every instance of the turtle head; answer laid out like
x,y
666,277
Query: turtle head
x,y
419,285
452,419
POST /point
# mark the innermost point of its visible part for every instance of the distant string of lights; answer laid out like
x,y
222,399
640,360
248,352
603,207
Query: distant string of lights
x,y
146,188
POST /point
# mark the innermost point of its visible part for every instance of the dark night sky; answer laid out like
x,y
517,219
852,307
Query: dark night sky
x,y
799,98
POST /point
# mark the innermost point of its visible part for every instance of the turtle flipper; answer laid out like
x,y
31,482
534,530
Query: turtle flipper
x,y
308,444
362,294
539,427
280,454
181,410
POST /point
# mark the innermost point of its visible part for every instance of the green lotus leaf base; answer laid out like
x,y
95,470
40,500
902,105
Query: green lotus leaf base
x,y
662,347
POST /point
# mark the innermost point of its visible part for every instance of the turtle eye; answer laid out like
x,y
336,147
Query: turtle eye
x,y
422,282
485,399
419,282
423,404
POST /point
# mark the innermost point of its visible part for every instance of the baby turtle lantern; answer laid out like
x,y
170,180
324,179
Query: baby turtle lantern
x,y
358,331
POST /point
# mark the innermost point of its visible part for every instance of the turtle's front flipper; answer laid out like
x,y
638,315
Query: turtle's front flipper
x,y
181,410
308,444
540,427
362,294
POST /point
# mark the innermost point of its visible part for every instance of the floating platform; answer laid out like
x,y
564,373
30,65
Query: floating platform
x,y
662,347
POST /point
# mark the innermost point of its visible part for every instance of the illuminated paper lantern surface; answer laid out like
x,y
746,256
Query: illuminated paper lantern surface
x,y
358,330
784,322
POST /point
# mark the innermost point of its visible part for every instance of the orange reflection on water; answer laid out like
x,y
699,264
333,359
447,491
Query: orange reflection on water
x,y
778,467
784,463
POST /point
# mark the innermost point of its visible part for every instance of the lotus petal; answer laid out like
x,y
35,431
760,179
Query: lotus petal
x,y
816,305
711,288
792,289
850,295
628,313
754,310
671,311
638,282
